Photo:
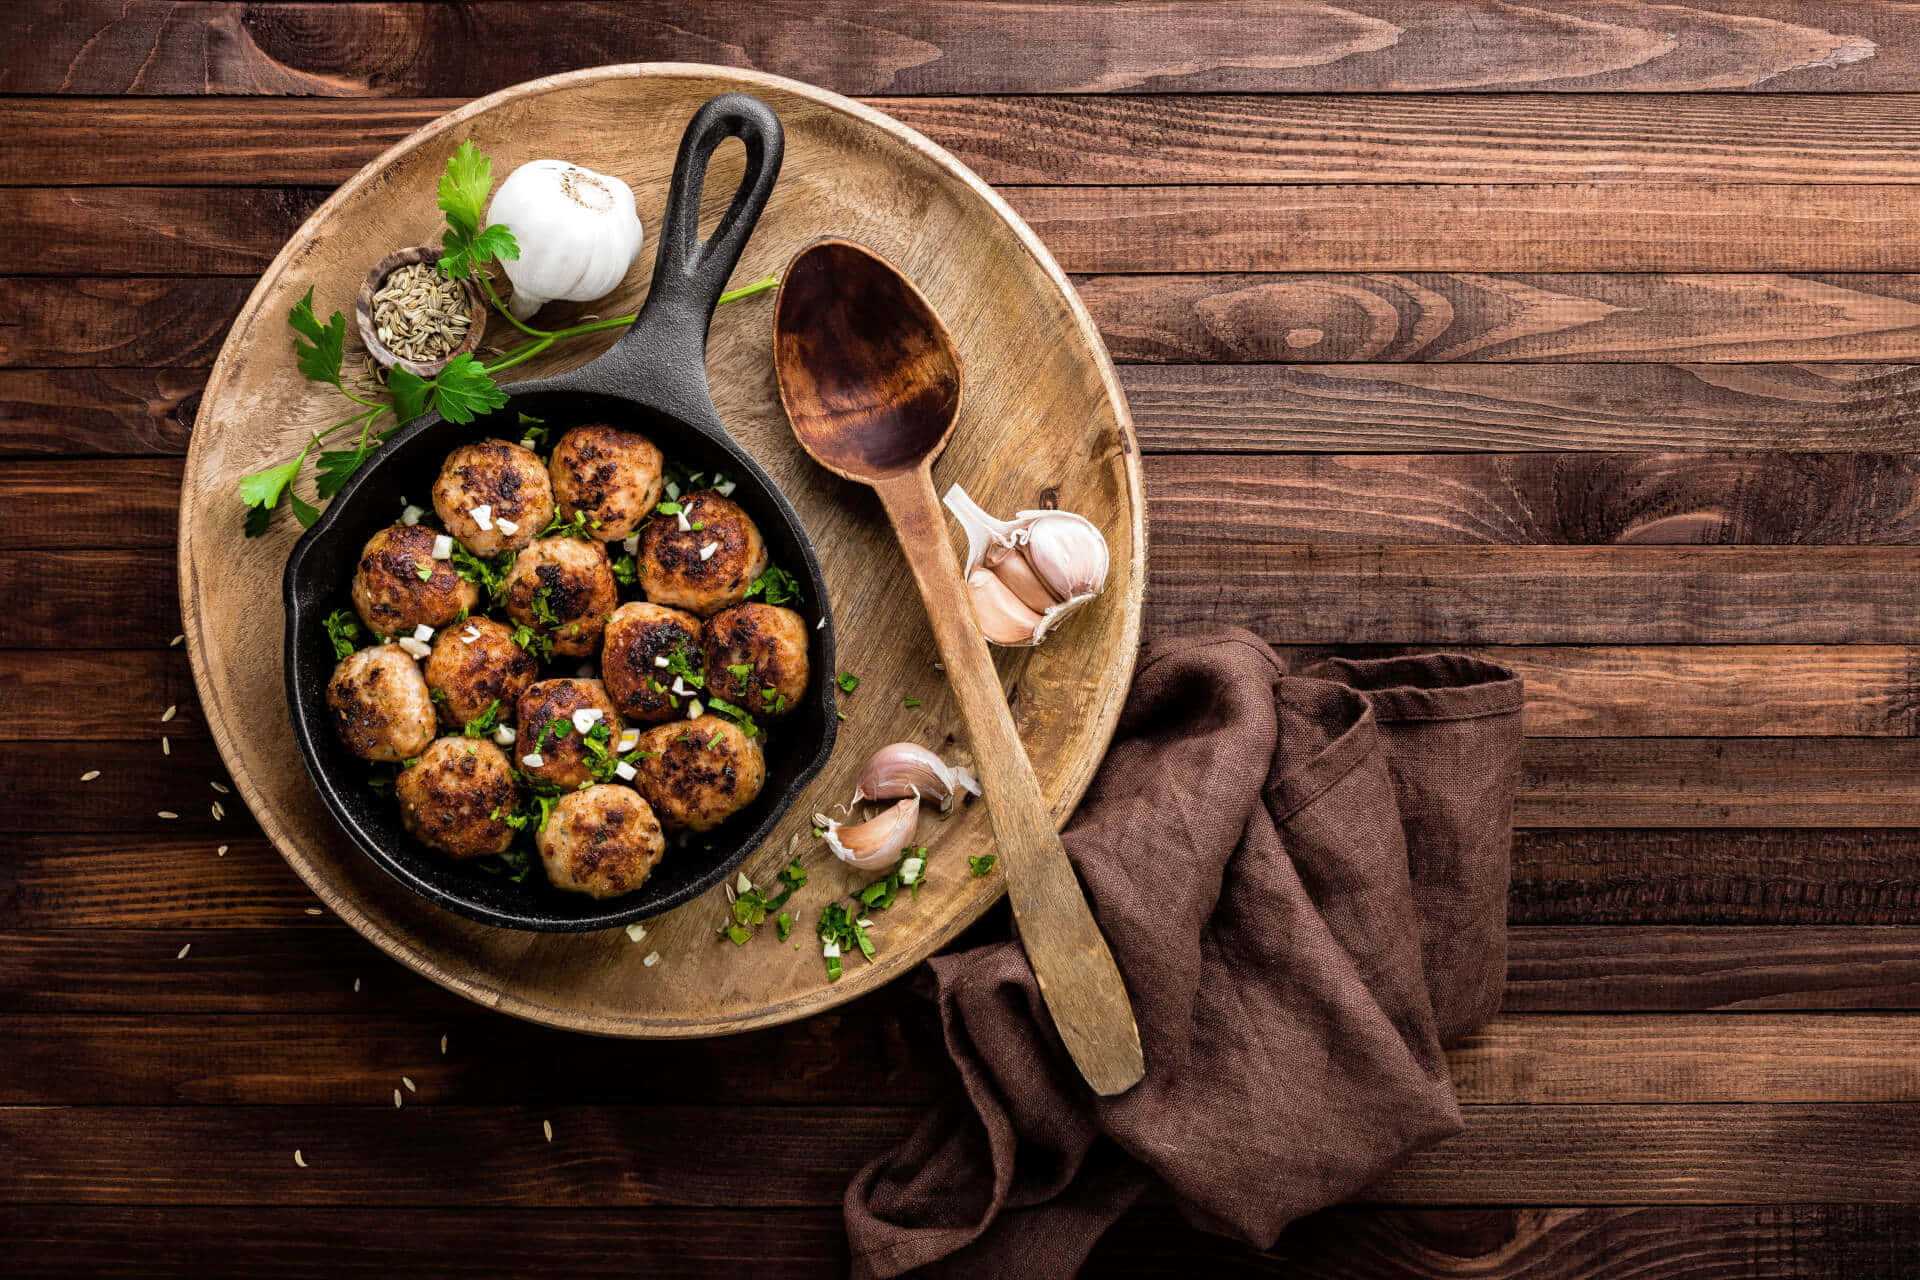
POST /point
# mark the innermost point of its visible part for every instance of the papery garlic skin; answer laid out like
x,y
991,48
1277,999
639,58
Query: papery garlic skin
x,y
873,845
578,233
904,769
1028,574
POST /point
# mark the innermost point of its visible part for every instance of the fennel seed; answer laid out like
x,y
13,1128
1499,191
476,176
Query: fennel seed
x,y
420,315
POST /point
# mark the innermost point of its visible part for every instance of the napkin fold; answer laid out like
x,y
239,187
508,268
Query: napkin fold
x,y
1303,879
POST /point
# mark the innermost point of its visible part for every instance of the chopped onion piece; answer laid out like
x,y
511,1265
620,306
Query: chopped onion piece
x,y
743,884
532,760
414,647
706,552
694,709
411,516
423,632
505,735
686,525
585,718
635,932
831,950
724,488
442,547
631,545
506,526
625,771
653,958
660,662
629,739
483,515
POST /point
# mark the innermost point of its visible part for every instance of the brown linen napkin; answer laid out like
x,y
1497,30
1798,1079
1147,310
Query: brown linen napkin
x,y
1303,879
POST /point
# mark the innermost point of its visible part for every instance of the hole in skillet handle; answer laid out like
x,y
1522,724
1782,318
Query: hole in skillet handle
x,y
654,380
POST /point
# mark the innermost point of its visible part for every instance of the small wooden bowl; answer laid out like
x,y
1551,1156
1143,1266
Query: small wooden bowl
x,y
363,313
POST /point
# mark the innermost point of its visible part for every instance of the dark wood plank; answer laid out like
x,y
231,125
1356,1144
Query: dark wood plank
x,y
75,323
875,1051
109,879
1677,1155
1554,969
1692,691
1295,594
124,503
1071,140
1668,1242
1838,876
1582,498
637,1156
90,599
865,1052
1719,782
49,695
137,782
1456,317
1640,226
154,230
1613,968
1395,408
1511,138
969,46
75,412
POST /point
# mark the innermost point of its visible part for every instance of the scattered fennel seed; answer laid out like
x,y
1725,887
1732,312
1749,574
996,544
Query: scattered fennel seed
x,y
313,911
89,775
168,814
298,1158
396,1098
219,812
183,952
222,789
221,852
166,747
176,642
356,984
546,1127
408,1081
169,713
443,1046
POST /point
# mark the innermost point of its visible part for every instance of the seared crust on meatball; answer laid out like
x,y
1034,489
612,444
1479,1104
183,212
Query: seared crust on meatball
x,y
389,593
672,571
380,704
563,751
757,658
612,475
565,588
603,841
638,634
458,797
700,772
505,478
475,664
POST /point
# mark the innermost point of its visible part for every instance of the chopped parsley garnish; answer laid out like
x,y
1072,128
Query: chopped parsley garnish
x,y
912,702
844,931
776,586
485,723
574,527
542,606
423,570
343,632
668,508
714,741
740,670
489,574
626,571
533,432
750,908
982,865
783,926
738,715
514,863
601,760
849,682
537,643
558,727
683,662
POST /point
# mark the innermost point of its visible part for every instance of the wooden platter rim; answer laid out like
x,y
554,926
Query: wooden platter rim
x,y
889,964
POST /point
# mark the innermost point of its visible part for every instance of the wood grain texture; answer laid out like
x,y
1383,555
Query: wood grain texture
x,y
152,230
638,1156
1732,876
1393,408
1858,1242
1077,140
88,600
1295,594
79,323
972,46
128,707
875,1051
88,504
60,412
1609,318
1555,969
1643,499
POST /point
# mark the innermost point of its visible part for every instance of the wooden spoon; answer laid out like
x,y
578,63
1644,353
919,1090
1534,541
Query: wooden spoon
x,y
871,383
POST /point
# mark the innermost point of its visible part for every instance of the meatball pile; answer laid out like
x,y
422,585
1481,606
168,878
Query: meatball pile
x,y
507,744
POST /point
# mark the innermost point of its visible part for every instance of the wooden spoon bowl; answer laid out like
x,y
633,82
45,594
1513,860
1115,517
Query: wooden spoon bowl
x,y
871,383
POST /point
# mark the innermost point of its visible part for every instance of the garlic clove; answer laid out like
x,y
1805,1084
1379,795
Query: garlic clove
x,y
1016,571
999,614
578,232
1067,552
873,845
984,533
908,769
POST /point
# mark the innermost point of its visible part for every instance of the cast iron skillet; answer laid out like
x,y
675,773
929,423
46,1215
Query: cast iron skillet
x,y
653,380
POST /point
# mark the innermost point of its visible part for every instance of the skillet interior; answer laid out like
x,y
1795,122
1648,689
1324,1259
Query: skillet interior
x,y
318,580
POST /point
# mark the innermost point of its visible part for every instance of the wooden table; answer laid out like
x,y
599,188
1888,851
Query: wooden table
x,y
1473,325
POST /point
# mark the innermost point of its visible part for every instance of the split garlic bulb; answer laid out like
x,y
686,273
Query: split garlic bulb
x,y
904,769
578,233
1027,574
875,844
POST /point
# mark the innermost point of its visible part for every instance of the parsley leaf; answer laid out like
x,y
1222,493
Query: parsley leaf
x,y
738,715
463,390
981,865
410,393
849,682
776,586
626,571
463,198
343,630
319,357
484,723
683,662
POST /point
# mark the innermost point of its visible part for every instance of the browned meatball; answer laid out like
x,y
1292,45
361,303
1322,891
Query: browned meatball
x,y
399,585
757,658
458,796
380,704
639,635
612,475
550,738
474,665
672,570
698,773
484,484
603,841
563,587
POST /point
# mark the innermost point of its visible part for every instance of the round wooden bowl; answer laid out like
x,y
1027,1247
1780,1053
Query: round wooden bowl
x,y
370,335
1043,424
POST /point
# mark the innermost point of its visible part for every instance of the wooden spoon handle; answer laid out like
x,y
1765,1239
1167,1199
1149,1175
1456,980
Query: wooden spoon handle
x,y
1078,979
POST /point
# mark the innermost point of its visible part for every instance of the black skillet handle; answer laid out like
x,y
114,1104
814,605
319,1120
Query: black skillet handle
x,y
665,349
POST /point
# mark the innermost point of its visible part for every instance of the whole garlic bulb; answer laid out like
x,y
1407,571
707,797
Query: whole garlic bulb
x,y
578,233
1027,574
